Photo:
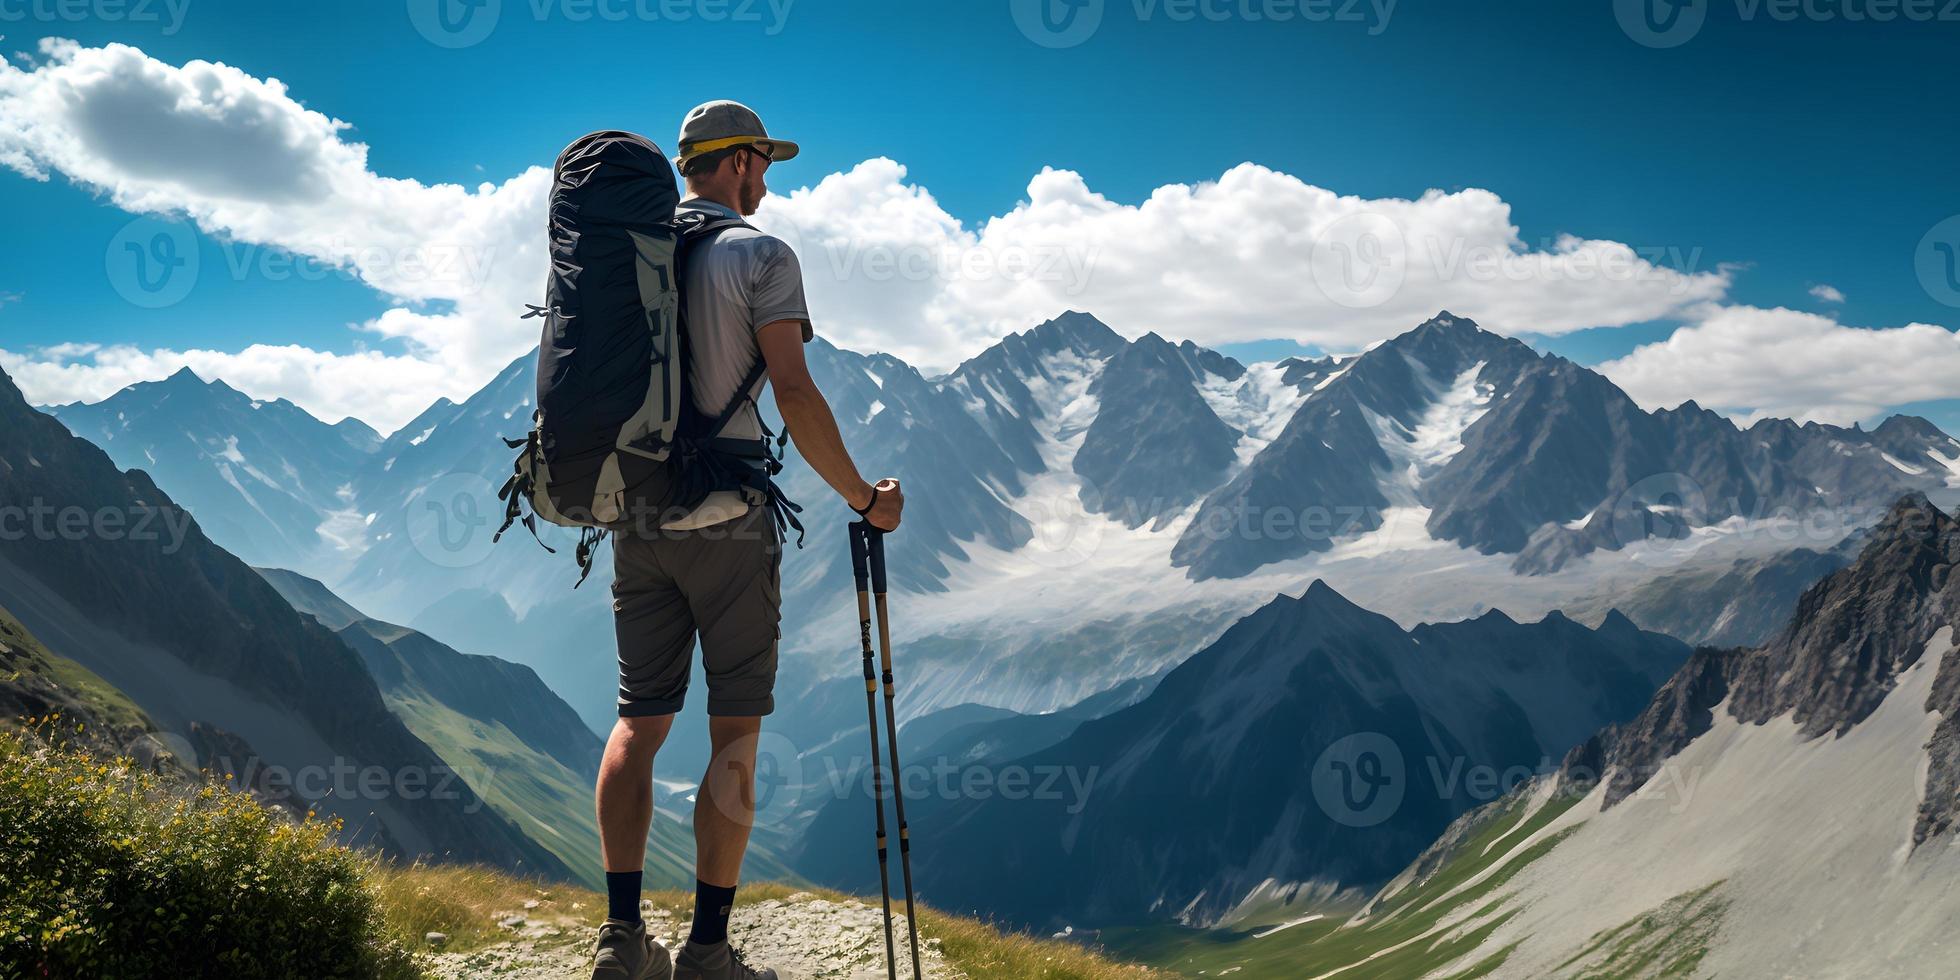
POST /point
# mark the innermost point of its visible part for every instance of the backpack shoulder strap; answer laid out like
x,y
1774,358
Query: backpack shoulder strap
x,y
697,228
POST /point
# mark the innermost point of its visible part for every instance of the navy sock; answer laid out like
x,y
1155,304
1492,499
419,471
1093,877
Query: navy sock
x,y
711,907
623,895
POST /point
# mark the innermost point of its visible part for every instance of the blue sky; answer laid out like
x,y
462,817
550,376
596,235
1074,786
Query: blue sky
x,y
1792,153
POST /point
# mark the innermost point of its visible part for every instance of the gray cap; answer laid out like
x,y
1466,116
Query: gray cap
x,y
719,125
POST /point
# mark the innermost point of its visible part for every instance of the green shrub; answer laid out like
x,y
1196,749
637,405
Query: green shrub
x,y
105,874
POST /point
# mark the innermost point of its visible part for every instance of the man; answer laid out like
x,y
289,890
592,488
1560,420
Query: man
x,y
714,572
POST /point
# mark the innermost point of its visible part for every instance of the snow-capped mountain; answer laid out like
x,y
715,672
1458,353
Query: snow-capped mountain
x,y
1786,810
1091,509
1223,786
264,478
1499,449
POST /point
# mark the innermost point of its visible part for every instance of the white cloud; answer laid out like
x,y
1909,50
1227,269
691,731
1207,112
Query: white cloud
x,y
245,161
332,386
1255,254
1827,293
1757,363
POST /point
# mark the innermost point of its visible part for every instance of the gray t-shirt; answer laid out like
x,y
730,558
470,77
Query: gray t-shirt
x,y
740,281
737,283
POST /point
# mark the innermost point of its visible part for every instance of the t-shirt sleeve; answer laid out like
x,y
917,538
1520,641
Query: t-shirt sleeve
x,y
777,293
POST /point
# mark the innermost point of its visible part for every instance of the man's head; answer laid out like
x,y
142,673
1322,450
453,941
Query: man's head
x,y
724,153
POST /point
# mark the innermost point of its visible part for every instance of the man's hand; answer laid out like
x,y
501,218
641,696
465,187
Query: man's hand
x,y
887,505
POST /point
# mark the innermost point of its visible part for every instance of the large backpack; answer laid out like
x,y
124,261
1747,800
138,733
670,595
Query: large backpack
x,y
617,442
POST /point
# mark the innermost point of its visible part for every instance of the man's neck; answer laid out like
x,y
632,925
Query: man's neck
x,y
710,198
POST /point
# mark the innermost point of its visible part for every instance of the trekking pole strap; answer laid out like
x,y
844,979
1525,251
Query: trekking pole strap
x,y
867,507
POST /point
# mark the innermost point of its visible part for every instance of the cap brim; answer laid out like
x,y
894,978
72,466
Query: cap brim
x,y
780,150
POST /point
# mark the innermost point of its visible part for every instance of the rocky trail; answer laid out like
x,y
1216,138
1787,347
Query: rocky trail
x,y
803,937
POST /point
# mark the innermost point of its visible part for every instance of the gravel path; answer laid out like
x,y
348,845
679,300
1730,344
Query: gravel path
x,y
803,937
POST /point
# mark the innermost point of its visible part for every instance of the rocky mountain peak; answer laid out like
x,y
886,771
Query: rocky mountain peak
x,y
1076,330
1853,634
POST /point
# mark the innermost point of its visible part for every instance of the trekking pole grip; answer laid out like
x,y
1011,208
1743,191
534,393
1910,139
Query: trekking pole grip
x,y
859,559
874,542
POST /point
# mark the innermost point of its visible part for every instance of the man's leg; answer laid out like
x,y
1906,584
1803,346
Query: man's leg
x,y
625,804
724,813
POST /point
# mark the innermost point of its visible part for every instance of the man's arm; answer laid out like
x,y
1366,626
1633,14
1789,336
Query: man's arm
x,y
814,428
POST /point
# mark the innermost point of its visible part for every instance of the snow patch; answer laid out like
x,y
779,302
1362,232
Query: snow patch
x,y
1416,453
1903,465
1258,405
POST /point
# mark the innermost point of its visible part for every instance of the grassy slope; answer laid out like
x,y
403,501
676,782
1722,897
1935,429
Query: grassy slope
x,y
26,665
549,801
1395,939
1669,941
209,873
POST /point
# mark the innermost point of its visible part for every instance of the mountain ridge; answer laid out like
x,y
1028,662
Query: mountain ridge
x,y
209,650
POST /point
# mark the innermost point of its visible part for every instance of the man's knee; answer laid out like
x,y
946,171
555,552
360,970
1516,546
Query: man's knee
x,y
641,736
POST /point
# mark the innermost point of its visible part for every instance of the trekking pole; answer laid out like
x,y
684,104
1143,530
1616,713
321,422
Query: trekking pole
x,y
875,545
860,561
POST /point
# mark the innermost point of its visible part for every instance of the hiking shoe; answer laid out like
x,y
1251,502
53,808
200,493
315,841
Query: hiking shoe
x,y
717,962
626,952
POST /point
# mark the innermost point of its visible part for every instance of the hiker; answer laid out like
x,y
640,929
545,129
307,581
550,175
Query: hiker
x,y
714,572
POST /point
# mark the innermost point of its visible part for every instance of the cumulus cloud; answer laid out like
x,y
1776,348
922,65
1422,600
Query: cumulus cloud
x,y
1254,254
246,162
1759,363
1827,293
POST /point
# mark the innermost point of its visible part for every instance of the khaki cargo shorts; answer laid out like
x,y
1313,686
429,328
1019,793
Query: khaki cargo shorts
x,y
722,583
